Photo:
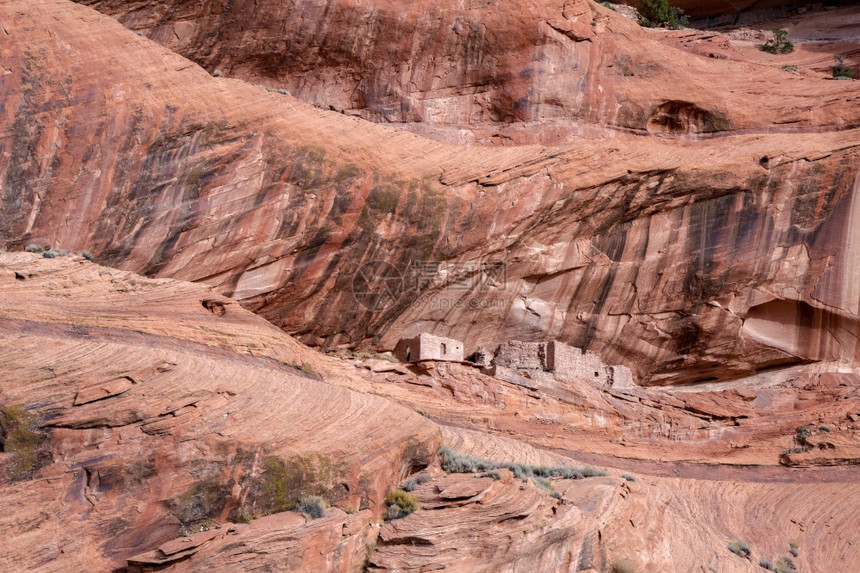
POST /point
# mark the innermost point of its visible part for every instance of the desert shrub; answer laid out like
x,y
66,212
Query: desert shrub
x,y
494,474
542,483
457,462
558,495
791,69
792,546
608,5
400,504
623,566
660,14
49,254
86,254
628,477
311,505
765,563
31,248
784,565
740,548
823,428
779,44
244,516
840,70
801,435
409,485
422,478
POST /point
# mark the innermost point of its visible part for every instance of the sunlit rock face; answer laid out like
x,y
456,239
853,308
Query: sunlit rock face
x,y
711,237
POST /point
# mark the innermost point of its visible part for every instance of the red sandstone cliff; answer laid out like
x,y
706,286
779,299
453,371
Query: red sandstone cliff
x,y
690,256
162,417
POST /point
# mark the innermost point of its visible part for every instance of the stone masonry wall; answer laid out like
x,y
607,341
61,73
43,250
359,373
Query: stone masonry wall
x,y
429,347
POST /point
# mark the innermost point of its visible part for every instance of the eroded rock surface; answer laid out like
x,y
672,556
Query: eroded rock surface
x,y
680,257
147,416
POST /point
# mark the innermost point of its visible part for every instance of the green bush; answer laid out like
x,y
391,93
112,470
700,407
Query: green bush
x,y
311,505
400,504
660,14
840,70
779,44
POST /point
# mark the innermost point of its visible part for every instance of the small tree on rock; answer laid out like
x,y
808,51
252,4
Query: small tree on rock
x,y
840,70
779,44
660,14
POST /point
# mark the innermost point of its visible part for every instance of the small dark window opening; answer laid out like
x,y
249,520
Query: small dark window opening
x,y
444,349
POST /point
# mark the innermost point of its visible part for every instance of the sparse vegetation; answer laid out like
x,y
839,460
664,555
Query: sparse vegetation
x,y
313,506
244,516
765,563
200,504
824,428
608,5
32,248
801,435
457,462
779,44
86,254
784,565
628,477
660,14
19,436
283,483
840,70
400,504
793,548
409,485
740,548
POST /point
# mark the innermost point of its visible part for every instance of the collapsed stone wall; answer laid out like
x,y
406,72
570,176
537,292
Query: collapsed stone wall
x,y
565,362
520,355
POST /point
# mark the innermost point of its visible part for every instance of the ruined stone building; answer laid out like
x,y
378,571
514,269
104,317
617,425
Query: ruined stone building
x,y
556,359
563,361
429,347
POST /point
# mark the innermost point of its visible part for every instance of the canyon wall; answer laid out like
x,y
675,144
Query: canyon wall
x,y
685,256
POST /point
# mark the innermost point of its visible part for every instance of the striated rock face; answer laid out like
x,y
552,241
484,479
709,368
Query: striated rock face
x,y
554,69
687,258
131,413
135,411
